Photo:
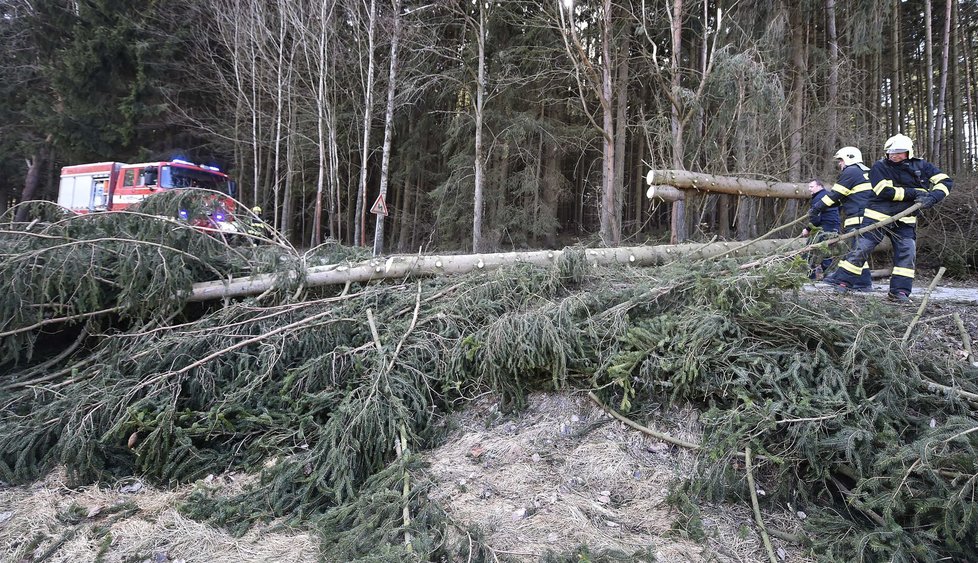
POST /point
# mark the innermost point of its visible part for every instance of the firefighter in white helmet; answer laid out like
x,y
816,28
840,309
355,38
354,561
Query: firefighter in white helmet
x,y
899,180
851,192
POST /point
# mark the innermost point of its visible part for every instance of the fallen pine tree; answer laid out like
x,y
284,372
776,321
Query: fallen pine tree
x,y
330,392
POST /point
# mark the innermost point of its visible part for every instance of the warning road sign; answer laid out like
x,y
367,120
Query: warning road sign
x,y
380,207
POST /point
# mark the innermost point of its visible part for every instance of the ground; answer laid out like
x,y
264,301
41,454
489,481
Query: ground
x,y
134,522
564,474
560,475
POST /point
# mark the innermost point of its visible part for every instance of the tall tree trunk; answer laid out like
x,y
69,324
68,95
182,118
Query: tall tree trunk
x,y
335,193
478,195
323,111
280,80
935,149
610,227
288,207
255,125
971,126
895,117
832,103
404,214
679,232
745,204
388,127
639,193
621,122
360,228
800,73
929,77
32,181
958,123
832,88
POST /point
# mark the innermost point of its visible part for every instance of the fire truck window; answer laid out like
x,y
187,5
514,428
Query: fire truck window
x,y
130,178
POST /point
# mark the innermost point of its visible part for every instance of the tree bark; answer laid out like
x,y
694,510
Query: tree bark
x,y
956,163
404,215
895,117
678,231
360,221
797,94
929,77
480,93
32,181
414,265
621,122
935,149
711,183
832,103
610,227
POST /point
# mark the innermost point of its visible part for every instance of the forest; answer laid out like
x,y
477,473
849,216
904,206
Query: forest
x,y
308,387
485,125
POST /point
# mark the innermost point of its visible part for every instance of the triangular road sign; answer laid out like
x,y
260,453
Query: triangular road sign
x,y
380,207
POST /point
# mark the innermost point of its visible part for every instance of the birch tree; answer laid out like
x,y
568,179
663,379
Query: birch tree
x,y
360,225
935,148
388,123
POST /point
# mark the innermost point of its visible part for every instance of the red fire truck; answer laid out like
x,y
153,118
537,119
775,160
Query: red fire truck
x,y
113,186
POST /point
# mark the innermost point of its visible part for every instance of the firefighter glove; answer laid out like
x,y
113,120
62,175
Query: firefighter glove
x,y
927,201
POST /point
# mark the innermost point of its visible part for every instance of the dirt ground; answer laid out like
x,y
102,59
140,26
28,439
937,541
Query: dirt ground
x,y
565,474
560,475
128,522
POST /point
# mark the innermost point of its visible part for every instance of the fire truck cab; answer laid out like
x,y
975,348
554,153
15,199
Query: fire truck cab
x,y
113,186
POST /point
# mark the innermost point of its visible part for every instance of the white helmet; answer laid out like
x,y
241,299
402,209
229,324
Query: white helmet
x,y
849,155
899,143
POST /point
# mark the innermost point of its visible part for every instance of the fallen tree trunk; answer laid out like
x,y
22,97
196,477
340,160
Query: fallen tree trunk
x,y
665,193
685,180
400,266
413,265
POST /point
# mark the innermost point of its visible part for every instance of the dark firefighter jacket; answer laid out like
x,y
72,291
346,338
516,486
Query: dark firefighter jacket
x,y
853,190
897,186
827,217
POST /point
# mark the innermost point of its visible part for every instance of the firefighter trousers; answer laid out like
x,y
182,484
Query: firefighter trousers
x,y
864,280
819,261
904,239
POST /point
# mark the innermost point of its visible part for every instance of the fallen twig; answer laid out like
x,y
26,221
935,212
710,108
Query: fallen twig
x,y
923,304
762,237
965,337
757,507
639,427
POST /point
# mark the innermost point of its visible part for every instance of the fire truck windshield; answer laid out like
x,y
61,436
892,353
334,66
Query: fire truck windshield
x,y
179,177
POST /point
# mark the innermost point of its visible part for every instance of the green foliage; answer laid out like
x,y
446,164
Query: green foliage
x,y
826,400
309,391
138,264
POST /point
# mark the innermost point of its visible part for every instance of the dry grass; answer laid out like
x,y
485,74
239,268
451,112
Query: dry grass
x,y
564,474
152,530
560,475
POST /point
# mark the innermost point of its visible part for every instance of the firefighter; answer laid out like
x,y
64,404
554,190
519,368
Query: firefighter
x,y
257,226
899,180
824,224
852,191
